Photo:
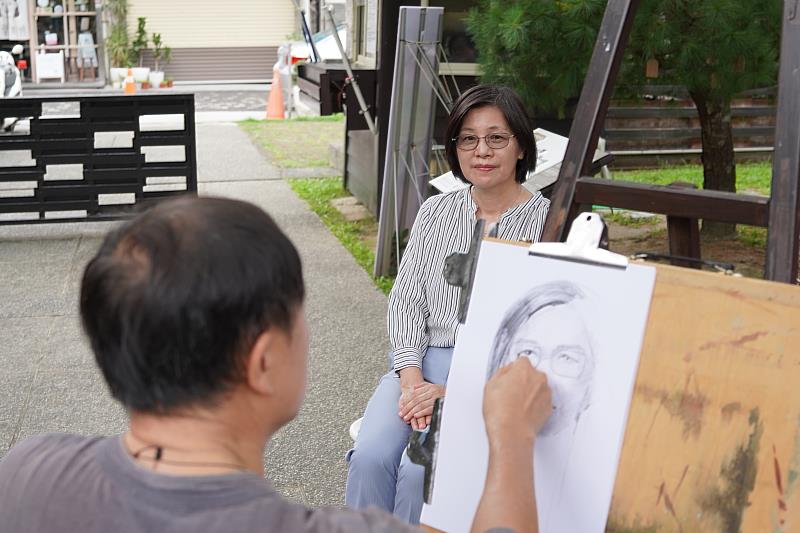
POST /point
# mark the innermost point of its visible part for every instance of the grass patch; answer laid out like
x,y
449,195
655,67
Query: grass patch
x,y
750,177
336,117
755,177
751,235
300,142
352,234
623,219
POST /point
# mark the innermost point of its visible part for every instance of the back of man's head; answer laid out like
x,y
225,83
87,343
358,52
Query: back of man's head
x,y
175,298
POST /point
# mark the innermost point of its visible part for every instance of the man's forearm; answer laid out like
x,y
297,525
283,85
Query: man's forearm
x,y
508,499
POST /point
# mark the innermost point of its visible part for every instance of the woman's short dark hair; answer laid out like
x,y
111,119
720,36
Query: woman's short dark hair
x,y
514,112
174,300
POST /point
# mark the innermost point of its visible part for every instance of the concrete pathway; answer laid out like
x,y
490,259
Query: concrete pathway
x,y
50,382
212,97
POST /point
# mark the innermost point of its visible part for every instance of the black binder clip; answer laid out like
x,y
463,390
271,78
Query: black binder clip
x,y
459,270
422,449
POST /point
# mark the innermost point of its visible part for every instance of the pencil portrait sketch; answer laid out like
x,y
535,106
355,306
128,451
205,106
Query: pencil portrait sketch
x,y
581,324
548,326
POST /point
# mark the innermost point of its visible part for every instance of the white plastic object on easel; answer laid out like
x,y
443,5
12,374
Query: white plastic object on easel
x,y
583,244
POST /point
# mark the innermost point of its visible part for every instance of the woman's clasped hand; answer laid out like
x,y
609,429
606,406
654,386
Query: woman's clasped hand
x,y
416,403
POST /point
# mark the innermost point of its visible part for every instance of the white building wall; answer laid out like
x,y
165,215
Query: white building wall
x,y
206,23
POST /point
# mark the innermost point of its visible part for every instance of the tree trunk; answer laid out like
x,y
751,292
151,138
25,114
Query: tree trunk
x,y
719,164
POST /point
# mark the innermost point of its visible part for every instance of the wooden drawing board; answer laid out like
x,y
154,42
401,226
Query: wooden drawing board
x,y
713,435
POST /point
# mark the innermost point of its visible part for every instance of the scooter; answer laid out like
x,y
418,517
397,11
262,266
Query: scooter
x,y
10,82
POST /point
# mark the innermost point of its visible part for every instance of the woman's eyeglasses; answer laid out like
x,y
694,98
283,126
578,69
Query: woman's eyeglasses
x,y
494,141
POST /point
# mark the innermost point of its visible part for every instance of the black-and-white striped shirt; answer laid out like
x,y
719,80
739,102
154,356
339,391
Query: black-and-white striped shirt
x,y
423,307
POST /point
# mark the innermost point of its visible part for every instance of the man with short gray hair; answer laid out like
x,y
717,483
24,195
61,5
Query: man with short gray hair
x,y
194,311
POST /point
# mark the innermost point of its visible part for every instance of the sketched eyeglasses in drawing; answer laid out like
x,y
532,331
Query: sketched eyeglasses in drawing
x,y
547,327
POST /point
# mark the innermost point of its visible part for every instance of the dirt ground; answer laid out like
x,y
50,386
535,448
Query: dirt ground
x,y
748,259
628,237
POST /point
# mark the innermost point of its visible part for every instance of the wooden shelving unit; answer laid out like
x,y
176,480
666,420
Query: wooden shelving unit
x,y
67,36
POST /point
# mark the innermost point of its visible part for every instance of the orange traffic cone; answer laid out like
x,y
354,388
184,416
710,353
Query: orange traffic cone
x,y
275,101
130,84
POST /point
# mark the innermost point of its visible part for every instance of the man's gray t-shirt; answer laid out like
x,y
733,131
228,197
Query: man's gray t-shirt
x,y
68,483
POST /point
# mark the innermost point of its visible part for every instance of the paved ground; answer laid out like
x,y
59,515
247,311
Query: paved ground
x,y
230,97
50,383
213,103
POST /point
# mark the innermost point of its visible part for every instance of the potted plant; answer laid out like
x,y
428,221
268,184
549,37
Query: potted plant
x,y
138,46
117,45
161,53
118,52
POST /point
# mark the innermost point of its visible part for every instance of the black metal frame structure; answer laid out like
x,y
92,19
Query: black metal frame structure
x,y
54,140
780,213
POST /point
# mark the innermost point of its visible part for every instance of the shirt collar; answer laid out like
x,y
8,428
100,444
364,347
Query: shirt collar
x,y
511,214
469,201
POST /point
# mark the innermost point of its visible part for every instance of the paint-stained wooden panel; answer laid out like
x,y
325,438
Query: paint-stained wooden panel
x,y
713,436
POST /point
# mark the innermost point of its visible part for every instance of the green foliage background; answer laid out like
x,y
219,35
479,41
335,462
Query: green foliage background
x,y
542,48
714,48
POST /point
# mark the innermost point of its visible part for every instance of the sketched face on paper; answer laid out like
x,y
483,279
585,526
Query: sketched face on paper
x,y
557,344
547,328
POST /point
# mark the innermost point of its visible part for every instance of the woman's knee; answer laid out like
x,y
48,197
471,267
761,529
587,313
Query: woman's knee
x,y
374,456
409,491
411,475
383,435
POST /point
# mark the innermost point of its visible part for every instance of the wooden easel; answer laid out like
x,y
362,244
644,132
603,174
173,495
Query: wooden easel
x,y
683,207
712,441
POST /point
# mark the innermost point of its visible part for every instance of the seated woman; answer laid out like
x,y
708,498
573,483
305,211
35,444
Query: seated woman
x,y
490,145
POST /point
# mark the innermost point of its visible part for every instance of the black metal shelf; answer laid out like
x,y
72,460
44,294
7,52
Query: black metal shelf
x,y
71,140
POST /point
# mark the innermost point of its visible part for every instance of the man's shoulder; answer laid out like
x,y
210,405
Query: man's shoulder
x,y
371,520
45,446
32,460
33,464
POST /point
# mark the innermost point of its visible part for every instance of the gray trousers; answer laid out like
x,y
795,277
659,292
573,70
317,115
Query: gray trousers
x,y
380,473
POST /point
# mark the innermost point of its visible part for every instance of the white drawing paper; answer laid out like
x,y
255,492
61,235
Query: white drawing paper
x,y
550,149
581,324
447,182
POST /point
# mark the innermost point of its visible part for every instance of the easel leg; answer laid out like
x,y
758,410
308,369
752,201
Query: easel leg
x,y
607,55
684,235
783,236
684,240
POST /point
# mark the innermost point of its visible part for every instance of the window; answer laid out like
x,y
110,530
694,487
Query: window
x,y
65,40
456,41
365,31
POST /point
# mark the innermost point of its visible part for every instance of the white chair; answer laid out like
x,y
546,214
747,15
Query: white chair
x,y
355,427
